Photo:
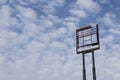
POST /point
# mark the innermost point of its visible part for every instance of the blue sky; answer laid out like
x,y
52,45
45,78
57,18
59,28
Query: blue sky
x,y
37,39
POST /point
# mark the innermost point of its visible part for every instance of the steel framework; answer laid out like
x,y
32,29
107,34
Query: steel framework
x,y
82,34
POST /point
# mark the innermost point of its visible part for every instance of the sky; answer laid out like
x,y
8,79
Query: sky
x,y
37,39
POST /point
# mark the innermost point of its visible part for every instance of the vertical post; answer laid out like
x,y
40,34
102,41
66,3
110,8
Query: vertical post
x,y
83,39
84,71
77,41
97,35
93,69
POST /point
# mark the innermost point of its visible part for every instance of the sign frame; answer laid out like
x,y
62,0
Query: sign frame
x,y
84,32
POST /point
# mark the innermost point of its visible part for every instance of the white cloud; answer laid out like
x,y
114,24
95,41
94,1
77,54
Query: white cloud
x,y
51,6
26,13
46,23
72,19
34,46
6,19
31,53
89,5
103,1
58,45
116,29
108,19
3,1
83,9
78,13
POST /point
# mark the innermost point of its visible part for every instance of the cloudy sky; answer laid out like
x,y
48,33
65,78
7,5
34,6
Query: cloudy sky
x,y
37,39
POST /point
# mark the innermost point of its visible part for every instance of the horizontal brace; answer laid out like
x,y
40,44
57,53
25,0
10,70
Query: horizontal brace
x,y
85,35
84,28
93,44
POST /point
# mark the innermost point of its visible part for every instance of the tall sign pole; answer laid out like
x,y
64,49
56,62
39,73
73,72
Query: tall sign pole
x,y
87,41
84,70
93,69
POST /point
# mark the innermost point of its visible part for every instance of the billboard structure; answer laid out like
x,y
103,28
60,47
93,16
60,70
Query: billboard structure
x,y
87,41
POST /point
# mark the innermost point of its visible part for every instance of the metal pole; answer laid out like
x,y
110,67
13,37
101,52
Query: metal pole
x,y
93,69
84,71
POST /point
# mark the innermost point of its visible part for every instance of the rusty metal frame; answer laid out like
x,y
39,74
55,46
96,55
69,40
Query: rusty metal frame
x,y
84,35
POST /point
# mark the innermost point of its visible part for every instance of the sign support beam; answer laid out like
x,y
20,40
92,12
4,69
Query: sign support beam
x,y
87,41
93,68
84,70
